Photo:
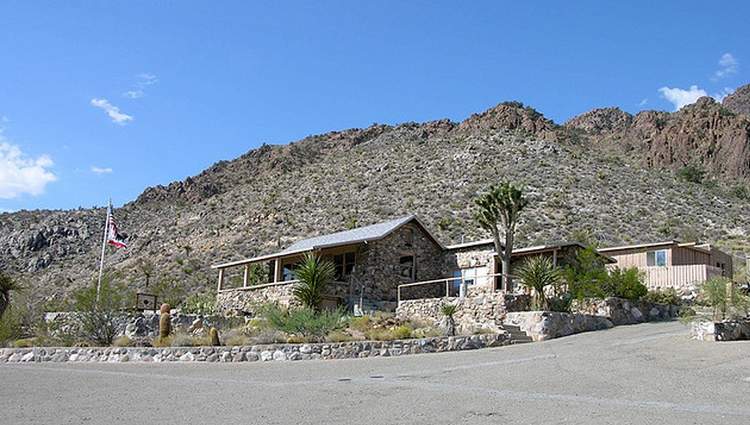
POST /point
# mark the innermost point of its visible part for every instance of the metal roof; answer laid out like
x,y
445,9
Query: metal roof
x,y
706,248
359,235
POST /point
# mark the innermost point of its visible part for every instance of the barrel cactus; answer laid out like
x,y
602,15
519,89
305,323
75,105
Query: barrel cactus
x,y
165,321
214,335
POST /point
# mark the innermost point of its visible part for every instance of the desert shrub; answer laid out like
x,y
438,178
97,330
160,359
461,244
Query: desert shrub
x,y
691,173
666,296
724,298
187,340
389,334
625,283
339,336
98,321
203,304
361,324
122,341
585,274
741,191
8,287
687,315
305,321
237,339
560,303
12,324
25,343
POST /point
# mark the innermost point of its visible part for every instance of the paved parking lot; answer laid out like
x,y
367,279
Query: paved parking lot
x,y
642,374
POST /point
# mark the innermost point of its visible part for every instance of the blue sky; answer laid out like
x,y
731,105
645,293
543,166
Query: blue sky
x,y
102,99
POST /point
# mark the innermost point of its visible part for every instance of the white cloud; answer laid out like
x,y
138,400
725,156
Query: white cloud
x,y
134,94
681,97
643,102
101,170
728,65
111,110
142,81
20,174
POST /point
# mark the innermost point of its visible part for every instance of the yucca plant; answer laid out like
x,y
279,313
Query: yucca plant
x,y
7,287
449,322
537,273
314,275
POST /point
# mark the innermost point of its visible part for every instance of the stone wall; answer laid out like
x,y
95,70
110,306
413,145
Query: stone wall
x,y
544,325
482,308
379,271
625,312
245,301
727,330
275,352
143,324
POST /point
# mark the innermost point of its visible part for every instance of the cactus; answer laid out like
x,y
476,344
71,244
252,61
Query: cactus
x,y
214,335
165,325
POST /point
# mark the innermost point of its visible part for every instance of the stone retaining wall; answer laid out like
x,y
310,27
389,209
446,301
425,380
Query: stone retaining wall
x,y
275,352
625,312
482,308
143,324
727,330
544,325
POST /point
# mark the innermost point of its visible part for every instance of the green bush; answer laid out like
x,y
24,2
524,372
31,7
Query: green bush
x,y
691,173
724,298
203,304
625,283
537,273
314,275
305,321
666,296
586,274
98,320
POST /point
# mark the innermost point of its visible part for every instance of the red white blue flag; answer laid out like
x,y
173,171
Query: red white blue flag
x,y
114,237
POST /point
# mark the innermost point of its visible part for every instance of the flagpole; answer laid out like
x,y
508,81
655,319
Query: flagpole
x,y
104,246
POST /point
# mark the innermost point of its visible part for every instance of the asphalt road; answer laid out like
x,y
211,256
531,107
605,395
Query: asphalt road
x,y
643,374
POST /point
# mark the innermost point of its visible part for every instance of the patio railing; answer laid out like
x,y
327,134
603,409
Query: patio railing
x,y
447,282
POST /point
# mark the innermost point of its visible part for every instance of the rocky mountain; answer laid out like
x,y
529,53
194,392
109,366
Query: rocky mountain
x,y
605,175
739,101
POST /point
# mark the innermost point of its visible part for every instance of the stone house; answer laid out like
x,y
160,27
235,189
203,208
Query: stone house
x,y
673,264
378,266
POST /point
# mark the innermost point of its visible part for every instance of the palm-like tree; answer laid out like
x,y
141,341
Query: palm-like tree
x,y
537,273
7,286
314,274
499,209
448,310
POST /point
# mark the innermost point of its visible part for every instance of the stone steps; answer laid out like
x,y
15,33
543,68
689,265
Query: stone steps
x,y
517,336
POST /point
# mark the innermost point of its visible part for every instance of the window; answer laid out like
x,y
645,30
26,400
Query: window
x,y
406,267
344,265
287,272
656,258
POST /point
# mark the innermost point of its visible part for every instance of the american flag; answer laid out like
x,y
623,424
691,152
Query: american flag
x,y
114,237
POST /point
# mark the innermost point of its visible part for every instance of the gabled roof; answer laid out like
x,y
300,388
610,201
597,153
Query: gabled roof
x,y
364,234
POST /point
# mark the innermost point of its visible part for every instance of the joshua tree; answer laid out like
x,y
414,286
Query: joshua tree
x,y
7,286
498,210
537,273
147,268
314,275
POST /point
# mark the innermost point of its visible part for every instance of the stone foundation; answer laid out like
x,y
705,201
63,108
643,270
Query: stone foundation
x,y
275,352
727,330
246,301
480,309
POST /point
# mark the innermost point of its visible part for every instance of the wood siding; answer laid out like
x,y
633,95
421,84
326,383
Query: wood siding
x,y
679,277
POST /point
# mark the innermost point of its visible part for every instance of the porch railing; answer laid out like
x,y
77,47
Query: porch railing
x,y
447,281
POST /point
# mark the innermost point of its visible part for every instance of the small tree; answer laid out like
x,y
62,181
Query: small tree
x,y
537,273
98,322
498,210
725,300
7,287
314,275
147,268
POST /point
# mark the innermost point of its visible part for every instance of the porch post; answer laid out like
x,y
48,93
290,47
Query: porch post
x,y
221,280
277,270
554,258
245,275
